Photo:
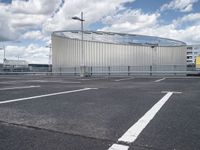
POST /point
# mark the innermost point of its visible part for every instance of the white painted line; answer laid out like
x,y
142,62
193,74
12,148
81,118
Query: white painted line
x,y
48,81
92,79
41,81
46,95
85,79
70,82
175,92
118,147
124,79
134,131
160,80
20,87
8,82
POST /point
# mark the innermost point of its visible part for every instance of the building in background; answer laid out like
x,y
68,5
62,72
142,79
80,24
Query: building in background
x,y
192,52
15,66
39,67
197,62
108,52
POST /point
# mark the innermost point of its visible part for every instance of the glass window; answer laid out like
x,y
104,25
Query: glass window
x,y
189,47
189,57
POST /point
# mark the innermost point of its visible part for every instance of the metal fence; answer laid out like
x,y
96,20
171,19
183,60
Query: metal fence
x,y
127,70
108,70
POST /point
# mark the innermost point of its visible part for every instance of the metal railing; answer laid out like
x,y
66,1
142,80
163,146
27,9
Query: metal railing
x,y
107,70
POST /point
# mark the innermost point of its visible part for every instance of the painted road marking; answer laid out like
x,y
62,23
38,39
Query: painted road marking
x,y
41,81
134,131
20,87
175,92
118,147
47,81
46,95
8,82
93,79
160,80
86,79
124,79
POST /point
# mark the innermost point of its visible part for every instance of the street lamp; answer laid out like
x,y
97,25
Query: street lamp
x,y
82,59
18,57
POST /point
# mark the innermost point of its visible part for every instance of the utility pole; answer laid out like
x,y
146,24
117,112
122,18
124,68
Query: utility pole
x,y
82,65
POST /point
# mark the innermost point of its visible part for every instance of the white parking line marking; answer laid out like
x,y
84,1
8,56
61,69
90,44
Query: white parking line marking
x,y
160,80
124,79
85,79
134,131
20,87
118,147
46,95
93,79
41,81
175,92
8,82
48,81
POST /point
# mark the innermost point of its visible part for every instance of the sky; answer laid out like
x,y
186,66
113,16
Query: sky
x,y
28,24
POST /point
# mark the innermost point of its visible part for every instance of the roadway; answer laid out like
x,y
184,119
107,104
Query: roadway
x,y
102,113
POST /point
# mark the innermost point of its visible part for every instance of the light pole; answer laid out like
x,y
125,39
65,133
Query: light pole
x,y
4,48
82,65
18,57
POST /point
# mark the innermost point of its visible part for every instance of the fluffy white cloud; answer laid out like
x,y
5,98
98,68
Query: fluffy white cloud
x,y
181,5
137,22
185,29
35,19
35,35
34,6
188,35
94,10
32,53
193,18
130,21
7,32
20,16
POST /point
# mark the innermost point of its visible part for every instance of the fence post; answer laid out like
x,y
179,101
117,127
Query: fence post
x,y
91,70
60,70
74,71
128,70
175,69
150,70
109,70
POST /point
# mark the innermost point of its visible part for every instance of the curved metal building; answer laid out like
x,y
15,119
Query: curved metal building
x,y
108,51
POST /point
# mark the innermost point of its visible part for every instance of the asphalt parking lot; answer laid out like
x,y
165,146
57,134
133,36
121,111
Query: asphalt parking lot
x,y
104,113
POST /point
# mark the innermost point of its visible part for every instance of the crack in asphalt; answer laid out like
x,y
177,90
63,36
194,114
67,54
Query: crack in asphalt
x,y
53,131
77,135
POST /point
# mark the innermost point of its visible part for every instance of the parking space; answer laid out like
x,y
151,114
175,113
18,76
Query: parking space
x,y
94,113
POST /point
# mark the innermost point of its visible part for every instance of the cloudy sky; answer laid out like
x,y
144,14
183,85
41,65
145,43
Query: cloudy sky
x,y
29,23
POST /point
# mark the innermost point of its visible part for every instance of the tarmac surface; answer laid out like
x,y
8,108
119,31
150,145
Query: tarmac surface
x,y
73,113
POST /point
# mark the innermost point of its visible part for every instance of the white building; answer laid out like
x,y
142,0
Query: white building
x,y
192,52
116,52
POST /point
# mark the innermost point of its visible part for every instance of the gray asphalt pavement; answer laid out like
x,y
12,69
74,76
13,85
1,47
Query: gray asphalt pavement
x,y
73,113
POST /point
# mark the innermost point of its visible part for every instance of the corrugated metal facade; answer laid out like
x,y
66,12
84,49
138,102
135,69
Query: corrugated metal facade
x,y
66,52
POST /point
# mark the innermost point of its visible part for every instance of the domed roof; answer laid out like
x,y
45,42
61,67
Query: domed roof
x,y
119,38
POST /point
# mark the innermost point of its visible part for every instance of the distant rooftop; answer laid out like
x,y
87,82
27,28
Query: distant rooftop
x,y
16,62
119,38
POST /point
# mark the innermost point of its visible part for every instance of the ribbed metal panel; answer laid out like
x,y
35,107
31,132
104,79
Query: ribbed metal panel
x,y
67,53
